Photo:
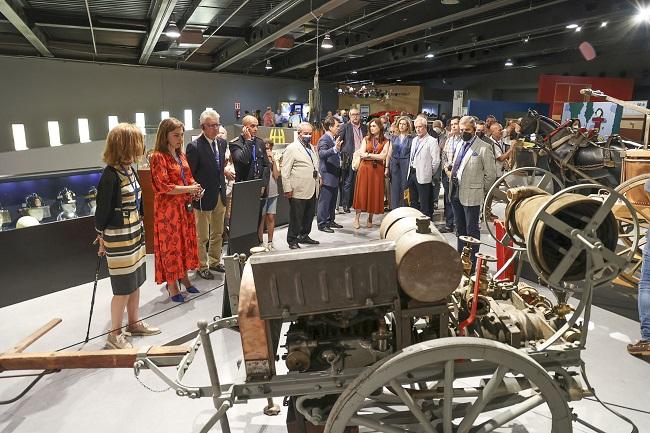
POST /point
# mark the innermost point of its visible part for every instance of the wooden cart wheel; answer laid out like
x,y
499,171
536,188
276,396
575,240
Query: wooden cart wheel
x,y
633,189
449,406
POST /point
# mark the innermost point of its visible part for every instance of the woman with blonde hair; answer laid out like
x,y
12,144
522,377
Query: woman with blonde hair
x,y
118,221
174,228
369,188
399,161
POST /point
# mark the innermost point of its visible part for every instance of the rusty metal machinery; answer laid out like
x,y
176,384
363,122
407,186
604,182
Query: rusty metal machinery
x,y
392,333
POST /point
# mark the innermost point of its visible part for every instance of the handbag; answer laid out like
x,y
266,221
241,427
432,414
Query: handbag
x,y
356,159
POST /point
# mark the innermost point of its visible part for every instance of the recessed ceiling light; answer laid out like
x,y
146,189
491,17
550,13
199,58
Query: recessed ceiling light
x,y
354,72
398,80
603,24
508,63
578,29
449,2
268,66
571,26
429,56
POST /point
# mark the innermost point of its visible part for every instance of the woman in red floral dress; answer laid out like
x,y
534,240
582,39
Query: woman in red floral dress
x,y
174,229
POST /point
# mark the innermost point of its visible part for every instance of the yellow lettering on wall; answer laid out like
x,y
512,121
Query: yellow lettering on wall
x,y
277,136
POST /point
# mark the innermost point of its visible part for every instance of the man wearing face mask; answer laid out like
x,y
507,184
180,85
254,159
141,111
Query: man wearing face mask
x,y
300,182
424,161
472,175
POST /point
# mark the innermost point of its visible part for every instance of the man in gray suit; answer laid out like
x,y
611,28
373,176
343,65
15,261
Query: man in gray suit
x,y
473,173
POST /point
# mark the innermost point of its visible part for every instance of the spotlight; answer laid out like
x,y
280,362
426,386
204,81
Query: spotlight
x,y
398,80
527,38
268,66
578,29
340,90
327,42
572,26
603,24
429,56
354,72
642,15
172,31
508,63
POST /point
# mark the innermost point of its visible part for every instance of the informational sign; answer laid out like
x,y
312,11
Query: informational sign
x,y
603,117
364,110
458,103
237,106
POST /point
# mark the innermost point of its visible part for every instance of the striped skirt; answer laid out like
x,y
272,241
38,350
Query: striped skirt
x,y
125,254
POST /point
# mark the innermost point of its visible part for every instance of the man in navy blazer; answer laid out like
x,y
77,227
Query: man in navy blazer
x,y
207,157
329,154
352,134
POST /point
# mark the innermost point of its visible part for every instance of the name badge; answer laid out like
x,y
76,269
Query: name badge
x,y
315,174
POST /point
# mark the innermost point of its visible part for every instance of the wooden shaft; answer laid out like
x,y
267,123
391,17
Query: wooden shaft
x,y
27,341
114,358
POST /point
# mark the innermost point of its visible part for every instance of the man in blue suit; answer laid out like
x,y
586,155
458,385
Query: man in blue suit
x,y
329,154
352,134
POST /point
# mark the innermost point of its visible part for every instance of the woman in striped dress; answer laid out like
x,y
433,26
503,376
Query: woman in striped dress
x,y
120,232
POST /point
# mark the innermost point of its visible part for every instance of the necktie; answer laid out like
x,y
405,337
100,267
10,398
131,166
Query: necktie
x,y
216,156
459,158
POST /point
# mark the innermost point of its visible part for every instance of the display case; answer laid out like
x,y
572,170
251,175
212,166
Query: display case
x,y
52,248
31,199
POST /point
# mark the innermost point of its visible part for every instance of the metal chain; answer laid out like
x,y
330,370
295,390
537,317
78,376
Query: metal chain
x,y
137,376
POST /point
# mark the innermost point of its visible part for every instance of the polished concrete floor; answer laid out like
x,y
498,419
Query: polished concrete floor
x,y
113,400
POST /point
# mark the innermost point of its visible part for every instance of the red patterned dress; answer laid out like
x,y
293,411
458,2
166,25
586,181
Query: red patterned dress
x,y
174,229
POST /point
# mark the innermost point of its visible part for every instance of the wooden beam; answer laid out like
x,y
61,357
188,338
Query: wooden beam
x,y
164,356
27,341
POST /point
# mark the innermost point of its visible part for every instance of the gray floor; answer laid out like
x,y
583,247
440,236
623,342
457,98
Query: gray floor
x,y
112,400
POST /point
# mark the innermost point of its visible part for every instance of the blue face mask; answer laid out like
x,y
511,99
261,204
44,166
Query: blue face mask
x,y
306,139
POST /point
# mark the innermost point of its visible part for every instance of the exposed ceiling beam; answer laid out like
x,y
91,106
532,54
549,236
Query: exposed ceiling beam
x,y
513,25
385,33
267,33
536,49
16,16
161,12
191,8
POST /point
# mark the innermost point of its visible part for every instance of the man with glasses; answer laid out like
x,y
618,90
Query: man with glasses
x,y
351,134
423,163
207,158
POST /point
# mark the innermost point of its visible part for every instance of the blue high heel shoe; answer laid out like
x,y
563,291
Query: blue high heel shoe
x,y
177,297
190,289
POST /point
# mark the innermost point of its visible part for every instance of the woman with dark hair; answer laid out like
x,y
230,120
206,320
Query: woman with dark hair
x,y
399,161
174,228
120,233
369,188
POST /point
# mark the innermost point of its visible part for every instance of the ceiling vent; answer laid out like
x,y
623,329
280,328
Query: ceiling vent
x,y
284,43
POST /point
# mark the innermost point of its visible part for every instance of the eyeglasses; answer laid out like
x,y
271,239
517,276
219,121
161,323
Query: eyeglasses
x,y
354,114
212,125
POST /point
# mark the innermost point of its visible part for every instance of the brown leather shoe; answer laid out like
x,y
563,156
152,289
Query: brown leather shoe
x,y
640,348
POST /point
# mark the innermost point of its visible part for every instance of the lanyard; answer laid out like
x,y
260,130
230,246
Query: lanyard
x,y
310,157
255,166
134,184
180,164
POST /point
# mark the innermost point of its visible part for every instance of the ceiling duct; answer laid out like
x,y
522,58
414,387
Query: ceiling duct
x,y
190,39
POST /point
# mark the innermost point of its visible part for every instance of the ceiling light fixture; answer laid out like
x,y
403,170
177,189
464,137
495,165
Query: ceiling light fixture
x,y
172,31
526,39
354,72
327,42
642,15
268,66
578,29
571,26
429,56
398,80
508,63
449,2
603,24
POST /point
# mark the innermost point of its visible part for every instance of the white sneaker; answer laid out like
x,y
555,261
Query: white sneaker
x,y
269,247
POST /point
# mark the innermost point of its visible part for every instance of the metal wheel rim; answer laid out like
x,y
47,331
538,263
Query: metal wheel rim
x,y
446,351
492,193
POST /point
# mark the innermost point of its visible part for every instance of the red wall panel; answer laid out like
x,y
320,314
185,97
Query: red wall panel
x,y
555,90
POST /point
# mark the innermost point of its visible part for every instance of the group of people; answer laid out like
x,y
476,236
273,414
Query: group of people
x,y
191,190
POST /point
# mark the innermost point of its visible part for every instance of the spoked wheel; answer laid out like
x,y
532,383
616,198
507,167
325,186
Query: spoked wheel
x,y
496,199
429,385
633,189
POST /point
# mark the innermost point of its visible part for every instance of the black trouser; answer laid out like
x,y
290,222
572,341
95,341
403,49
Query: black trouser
x,y
301,215
347,191
449,210
420,194
326,205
